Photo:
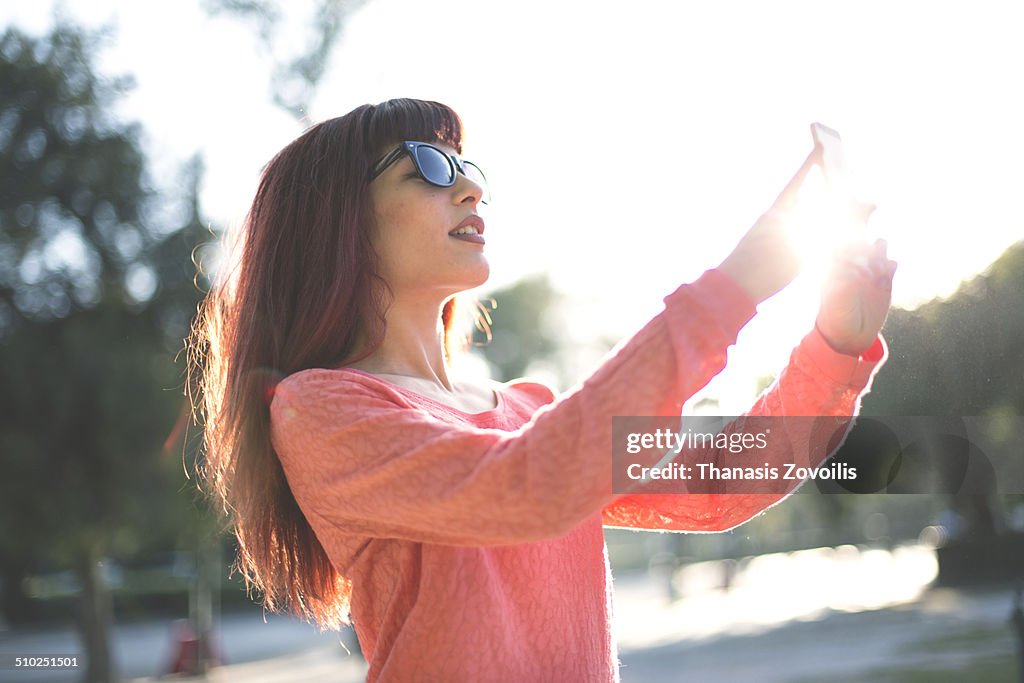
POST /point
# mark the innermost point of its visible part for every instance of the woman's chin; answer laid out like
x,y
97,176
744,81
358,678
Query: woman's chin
x,y
471,278
481,275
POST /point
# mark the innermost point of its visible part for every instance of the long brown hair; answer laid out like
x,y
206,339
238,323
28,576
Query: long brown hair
x,y
302,291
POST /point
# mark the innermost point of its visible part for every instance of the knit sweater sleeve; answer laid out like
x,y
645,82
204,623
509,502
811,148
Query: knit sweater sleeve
x,y
817,382
359,462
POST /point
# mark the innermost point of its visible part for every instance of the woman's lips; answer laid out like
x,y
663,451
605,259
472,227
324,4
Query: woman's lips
x,y
471,229
478,239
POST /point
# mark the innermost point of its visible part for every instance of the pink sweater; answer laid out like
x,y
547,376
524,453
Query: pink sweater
x,y
474,542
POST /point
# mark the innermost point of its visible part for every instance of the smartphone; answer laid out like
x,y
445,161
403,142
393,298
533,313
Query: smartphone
x,y
833,160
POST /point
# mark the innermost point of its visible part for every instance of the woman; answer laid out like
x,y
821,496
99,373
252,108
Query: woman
x,y
364,482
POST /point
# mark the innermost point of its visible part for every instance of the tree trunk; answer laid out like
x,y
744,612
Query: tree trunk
x,y
95,616
205,593
16,605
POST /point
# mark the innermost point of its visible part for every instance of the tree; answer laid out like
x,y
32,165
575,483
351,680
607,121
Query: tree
x,y
96,293
519,328
295,76
957,357
960,356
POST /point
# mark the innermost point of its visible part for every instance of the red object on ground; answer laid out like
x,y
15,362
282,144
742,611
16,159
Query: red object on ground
x,y
186,650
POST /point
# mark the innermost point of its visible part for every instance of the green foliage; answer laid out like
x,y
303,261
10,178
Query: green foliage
x,y
96,294
520,331
71,189
961,356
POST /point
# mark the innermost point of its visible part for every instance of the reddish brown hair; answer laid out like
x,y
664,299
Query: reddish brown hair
x,y
303,292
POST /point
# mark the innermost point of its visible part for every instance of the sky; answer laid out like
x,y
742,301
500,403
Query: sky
x,y
628,150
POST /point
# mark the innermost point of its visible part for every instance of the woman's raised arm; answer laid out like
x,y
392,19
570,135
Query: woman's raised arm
x,y
362,464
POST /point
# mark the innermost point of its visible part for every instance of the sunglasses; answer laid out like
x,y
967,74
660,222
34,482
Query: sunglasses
x,y
434,165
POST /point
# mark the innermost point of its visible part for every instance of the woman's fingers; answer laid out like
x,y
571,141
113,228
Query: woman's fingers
x,y
872,259
787,199
889,271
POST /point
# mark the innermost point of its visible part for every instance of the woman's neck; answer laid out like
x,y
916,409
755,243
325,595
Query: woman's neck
x,y
413,345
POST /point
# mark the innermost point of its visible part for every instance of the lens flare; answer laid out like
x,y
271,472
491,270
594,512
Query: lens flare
x,y
824,224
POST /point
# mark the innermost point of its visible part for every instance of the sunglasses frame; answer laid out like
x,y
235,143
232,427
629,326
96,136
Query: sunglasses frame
x,y
455,163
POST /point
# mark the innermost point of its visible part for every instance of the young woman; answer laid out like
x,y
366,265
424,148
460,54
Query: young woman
x,y
457,525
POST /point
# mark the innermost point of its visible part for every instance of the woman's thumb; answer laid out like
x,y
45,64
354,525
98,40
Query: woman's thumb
x,y
863,211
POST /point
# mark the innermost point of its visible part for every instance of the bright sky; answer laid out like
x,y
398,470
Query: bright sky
x,y
629,149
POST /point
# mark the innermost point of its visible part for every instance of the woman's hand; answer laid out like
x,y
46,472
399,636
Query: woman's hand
x,y
764,261
856,297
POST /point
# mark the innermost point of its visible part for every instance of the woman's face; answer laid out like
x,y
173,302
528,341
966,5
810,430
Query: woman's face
x,y
414,220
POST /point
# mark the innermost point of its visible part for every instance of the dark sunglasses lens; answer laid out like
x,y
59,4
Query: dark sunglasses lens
x,y
474,173
435,166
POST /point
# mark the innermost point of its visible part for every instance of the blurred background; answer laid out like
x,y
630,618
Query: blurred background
x,y
628,148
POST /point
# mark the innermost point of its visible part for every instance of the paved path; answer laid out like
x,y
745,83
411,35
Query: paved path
x,y
835,646
824,614
280,646
807,616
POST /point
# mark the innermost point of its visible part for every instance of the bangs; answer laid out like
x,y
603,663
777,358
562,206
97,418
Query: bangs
x,y
409,119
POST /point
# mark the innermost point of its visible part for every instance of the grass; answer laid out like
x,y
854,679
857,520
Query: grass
x,y
997,638
990,668
982,654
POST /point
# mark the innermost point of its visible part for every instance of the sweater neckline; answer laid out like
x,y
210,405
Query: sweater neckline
x,y
499,398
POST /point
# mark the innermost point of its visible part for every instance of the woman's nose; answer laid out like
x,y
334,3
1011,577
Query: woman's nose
x,y
466,188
